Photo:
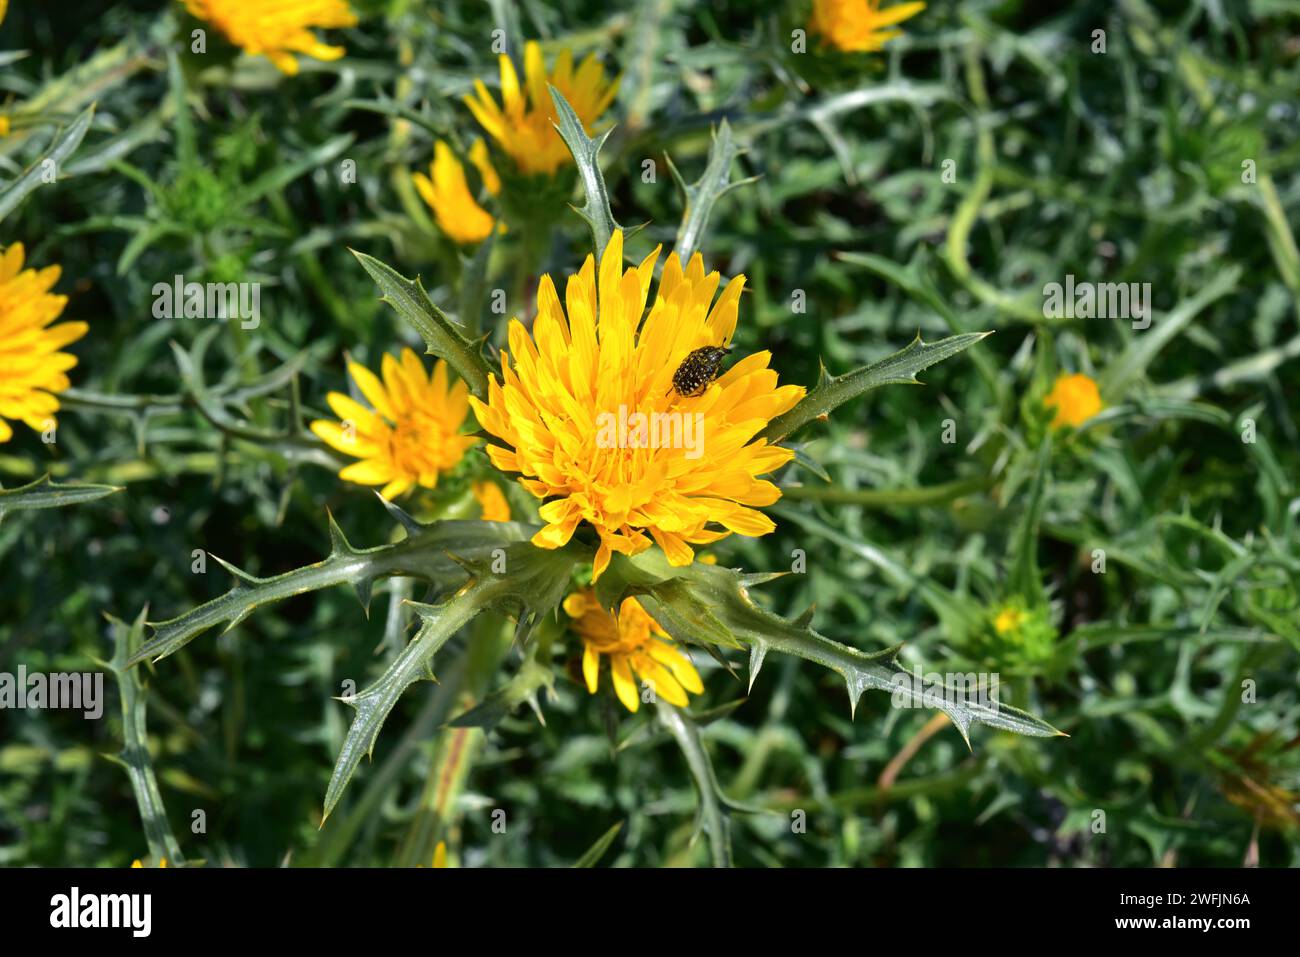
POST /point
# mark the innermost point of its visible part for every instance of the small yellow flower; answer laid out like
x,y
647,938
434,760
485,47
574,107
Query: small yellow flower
x,y
635,644
1075,398
859,26
523,125
447,192
1008,620
277,29
4,123
32,367
492,501
136,862
440,854
570,388
413,433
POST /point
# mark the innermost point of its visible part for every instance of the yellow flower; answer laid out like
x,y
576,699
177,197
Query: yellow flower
x,y
277,29
32,367
1075,398
492,501
440,854
136,862
593,424
448,195
634,643
524,126
858,26
4,121
413,433
1008,620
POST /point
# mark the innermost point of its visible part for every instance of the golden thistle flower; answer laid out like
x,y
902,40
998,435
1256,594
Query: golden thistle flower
x,y
446,191
1075,398
523,125
636,645
1008,620
412,435
492,502
32,367
277,29
859,26
591,421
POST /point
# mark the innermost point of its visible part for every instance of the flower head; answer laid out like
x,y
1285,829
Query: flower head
x,y
492,502
277,29
592,423
1009,619
446,190
859,26
1075,399
32,367
524,124
635,644
1016,634
413,433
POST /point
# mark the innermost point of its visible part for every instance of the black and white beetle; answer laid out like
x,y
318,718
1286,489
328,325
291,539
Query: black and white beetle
x,y
699,369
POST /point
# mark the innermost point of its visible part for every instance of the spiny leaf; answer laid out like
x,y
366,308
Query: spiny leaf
x,y
443,337
530,584
44,493
700,196
713,816
65,142
522,688
423,556
134,756
439,623
677,604
596,211
898,369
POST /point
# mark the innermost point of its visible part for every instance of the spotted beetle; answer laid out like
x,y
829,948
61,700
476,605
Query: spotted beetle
x,y
699,369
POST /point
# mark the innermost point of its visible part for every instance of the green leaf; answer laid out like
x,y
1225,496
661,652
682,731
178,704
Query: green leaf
x,y
596,211
522,580
1146,344
713,820
898,369
700,196
1024,578
723,593
594,853
134,756
373,704
44,493
444,337
283,175
63,145
425,555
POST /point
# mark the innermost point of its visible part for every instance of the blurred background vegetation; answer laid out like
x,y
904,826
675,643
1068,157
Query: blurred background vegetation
x,y
1174,671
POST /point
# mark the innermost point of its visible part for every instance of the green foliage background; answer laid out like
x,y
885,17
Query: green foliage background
x,y
1122,166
